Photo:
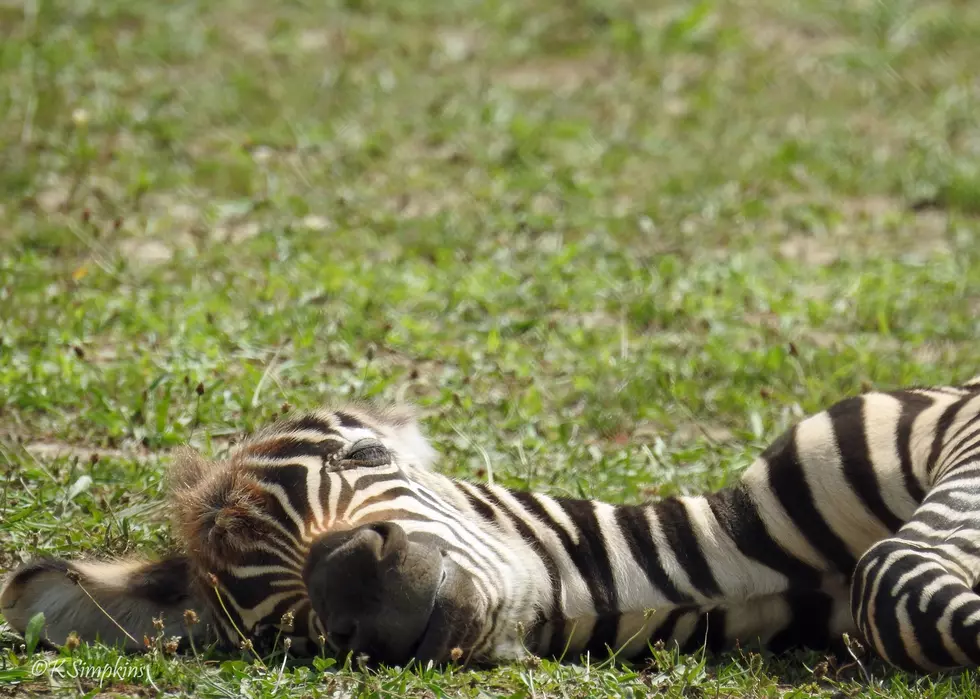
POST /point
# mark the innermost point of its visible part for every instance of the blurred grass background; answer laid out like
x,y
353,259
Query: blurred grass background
x,y
612,246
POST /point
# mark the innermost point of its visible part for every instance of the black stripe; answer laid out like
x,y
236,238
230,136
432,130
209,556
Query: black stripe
x,y
590,558
927,636
665,632
323,493
635,527
884,620
809,625
370,479
602,640
717,638
943,533
588,555
555,614
966,423
965,636
290,447
541,618
941,428
395,491
848,420
591,554
963,444
348,420
739,517
481,508
676,525
163,582
696,639
252,591
788,482
292,479
308,422
708,633
436,503
345,496
912,405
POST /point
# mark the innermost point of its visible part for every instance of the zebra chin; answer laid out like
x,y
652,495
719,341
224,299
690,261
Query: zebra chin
x,y
395,600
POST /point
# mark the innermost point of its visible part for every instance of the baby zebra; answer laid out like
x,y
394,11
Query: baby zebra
x,y
330,528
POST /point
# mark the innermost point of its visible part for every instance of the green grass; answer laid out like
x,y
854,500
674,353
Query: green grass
x,y
617,245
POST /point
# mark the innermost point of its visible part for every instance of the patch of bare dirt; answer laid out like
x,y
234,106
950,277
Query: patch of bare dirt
x,y
861,228
50,451
457,44
810,250
768,33
684,432
553,74
145,253
422,204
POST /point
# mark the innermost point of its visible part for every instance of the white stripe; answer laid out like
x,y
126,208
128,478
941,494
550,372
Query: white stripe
x,y
882,414
635,593
924,432
280,494
778,523
558,514
833,496
945,624
738,576
576,601
256,571
759,618
313,496
668,561
333,497
285,552
907,632
966,414
258,613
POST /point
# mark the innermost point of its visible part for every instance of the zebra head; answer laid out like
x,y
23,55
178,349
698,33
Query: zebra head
x,y
328,529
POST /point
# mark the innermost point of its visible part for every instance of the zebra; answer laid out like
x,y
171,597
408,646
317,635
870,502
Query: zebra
x,y
332,532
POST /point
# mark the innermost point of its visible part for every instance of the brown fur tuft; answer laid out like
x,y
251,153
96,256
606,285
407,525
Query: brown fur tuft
x,y
220,514
187,469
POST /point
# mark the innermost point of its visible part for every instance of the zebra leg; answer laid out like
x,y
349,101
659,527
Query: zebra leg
x,y
912,594
114,602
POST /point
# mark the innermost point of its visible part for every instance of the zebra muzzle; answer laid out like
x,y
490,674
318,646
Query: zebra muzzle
x,y
376,592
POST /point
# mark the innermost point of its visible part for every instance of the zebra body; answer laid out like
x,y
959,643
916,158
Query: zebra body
x,y
332,528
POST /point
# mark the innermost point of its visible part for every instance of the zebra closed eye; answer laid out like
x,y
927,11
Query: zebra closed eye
x,y
369,452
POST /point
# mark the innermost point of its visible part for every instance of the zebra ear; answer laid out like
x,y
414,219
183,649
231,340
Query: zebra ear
x,y
407,439
131,594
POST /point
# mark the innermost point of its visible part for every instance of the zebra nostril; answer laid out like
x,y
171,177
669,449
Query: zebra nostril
x,y
393,537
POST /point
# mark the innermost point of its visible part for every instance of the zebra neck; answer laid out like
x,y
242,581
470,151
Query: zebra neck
x,y
619,571
701,551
